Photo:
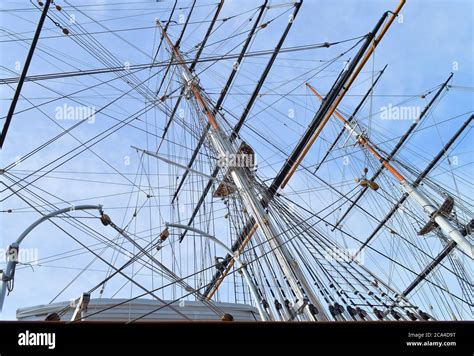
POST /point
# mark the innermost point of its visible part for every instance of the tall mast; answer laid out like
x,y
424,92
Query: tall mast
x,y
223,145
418,180
330,106
177,44
249,229
244,115
397,147
436,215
221,98
354,113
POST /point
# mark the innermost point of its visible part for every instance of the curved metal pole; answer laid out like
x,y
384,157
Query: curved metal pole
x,y
253,290
13,249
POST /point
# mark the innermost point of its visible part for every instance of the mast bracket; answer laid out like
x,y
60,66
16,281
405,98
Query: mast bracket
x,y
190,81
445,209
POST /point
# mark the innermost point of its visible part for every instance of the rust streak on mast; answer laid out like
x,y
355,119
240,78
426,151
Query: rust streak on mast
x,y
202,104
344,92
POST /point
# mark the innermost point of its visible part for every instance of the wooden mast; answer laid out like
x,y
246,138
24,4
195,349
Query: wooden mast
x,y
343,93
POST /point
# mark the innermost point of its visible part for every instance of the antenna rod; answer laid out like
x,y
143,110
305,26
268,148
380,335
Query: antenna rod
x,y
244,114
183,30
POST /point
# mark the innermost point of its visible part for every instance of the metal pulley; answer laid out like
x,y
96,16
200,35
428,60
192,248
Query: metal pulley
x,y
105,220
227,317
164,235
53,317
